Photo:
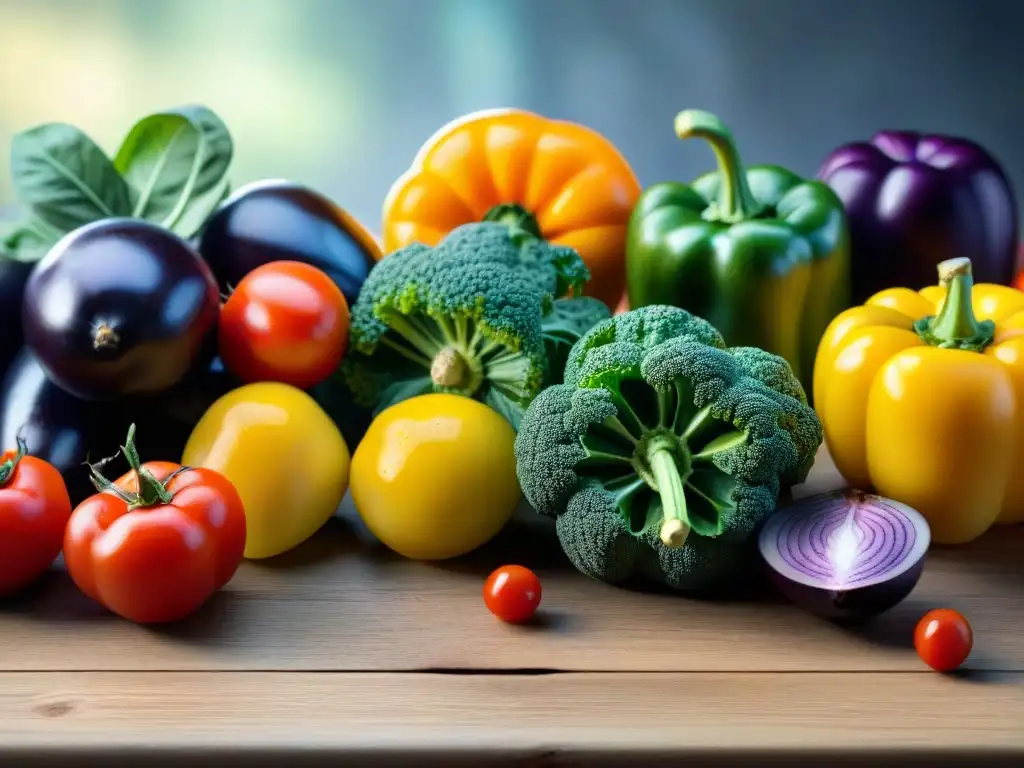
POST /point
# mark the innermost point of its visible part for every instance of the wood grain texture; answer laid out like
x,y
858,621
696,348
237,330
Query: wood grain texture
x,y
334,655
571,716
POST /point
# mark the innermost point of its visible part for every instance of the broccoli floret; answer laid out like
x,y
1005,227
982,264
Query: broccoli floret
x,y
663,451
564,326
463,317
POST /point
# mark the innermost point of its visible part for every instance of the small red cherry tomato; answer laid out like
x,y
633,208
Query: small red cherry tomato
x,y
154,545
943,639
34,511
512,593
285,321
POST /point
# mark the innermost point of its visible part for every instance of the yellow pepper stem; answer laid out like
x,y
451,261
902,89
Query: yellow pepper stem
x,y
955,326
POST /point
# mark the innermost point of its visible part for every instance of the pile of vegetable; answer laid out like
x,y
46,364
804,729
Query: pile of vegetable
x,y
652,368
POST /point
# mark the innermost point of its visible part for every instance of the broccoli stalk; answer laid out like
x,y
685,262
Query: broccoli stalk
x,y
663,451
474,316
457,353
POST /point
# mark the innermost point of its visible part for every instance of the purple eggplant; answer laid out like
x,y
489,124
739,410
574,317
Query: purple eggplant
x,y
13,276
66,431
281,221
120,308
914,200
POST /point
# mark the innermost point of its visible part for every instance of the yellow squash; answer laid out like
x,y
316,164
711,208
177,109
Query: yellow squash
x,y
283,454
435,476
921,396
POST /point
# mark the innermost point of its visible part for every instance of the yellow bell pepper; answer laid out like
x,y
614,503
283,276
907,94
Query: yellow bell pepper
x,y
921,397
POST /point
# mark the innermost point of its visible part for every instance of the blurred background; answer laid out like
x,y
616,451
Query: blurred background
x,y
339,94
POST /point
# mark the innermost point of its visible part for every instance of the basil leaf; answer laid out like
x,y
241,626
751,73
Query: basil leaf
x,y
172,159
199,210
27,240
64,178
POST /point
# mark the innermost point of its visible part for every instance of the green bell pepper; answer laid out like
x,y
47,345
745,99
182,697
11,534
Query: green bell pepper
x,y
760,253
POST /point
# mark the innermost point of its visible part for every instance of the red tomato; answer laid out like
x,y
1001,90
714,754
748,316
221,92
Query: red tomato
x,y
1018,281
943,639
34,511
155,544
285,321
512,593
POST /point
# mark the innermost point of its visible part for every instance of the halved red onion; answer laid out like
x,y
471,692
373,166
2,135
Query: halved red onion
x,y
845,554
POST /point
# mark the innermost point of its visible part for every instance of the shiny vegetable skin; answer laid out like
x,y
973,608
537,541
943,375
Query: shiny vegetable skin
x,y
34,511
562,181
760,253
664,450
156,544
435,476
284,455
464,318
914,200
276,220
921,394
285,321
120,307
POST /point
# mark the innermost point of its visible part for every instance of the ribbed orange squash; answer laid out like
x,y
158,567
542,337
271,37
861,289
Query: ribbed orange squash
x,y
567,180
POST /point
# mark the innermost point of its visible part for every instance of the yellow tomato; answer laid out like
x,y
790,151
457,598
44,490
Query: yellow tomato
x,y
285,456
435,476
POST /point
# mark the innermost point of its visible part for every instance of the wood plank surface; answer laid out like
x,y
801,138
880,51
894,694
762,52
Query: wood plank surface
x,y
565,717
341,603
341,653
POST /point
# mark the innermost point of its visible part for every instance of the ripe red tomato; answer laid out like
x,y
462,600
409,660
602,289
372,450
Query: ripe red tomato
x,y
285,321
34,511
158,541
512,593
943,639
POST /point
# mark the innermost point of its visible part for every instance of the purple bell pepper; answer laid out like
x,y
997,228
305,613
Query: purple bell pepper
x,y
914,200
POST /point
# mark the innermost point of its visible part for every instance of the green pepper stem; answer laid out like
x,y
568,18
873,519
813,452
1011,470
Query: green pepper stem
x,y
955,326
735,200
8,467
669,484
521,223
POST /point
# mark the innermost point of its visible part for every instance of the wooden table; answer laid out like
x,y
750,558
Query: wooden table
x,y
341,653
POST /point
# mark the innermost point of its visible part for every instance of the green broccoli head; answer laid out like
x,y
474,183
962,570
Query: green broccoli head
x,y
462,317
568,320
663,451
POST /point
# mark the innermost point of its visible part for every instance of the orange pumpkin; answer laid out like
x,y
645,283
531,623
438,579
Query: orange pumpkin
x,y
561,179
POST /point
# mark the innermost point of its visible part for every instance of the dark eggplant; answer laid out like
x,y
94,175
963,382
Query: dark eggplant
x,y
13,276
66,431
120,307
281,221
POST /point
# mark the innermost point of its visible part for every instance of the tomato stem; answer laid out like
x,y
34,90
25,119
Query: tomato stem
x,y
8,467
150,491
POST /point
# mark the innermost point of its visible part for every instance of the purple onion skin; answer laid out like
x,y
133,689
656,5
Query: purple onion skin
x,y
914,200
145,288
854,605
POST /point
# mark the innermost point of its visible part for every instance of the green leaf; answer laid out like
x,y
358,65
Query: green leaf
x,y
176,164
504,406
64,178
199,210
26,241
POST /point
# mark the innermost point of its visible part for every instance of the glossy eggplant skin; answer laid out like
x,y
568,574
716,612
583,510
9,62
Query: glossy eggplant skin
x,y
281,221
13,276
67,431
120,308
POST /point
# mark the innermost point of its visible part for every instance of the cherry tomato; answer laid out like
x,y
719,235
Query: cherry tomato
x,y
943,639
512,593
285,321
156,543
34,511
